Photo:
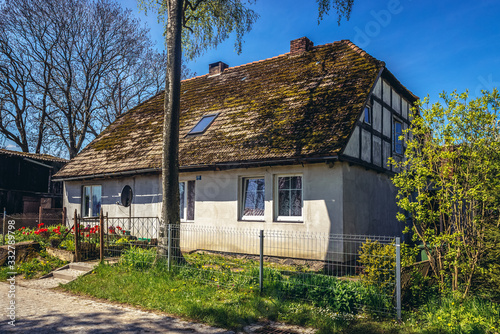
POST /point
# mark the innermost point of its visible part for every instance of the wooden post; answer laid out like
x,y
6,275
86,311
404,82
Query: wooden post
x,y
101,236
77,236
40,215
64,217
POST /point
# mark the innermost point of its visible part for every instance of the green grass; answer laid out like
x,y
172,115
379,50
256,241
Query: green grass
x,y
453,314
223,292
226,307
34,268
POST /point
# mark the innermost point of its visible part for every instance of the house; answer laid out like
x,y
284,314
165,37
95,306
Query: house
x,y
26,182
297,142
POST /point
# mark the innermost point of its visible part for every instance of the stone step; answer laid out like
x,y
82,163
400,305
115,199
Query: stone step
x,y
67,274
81,266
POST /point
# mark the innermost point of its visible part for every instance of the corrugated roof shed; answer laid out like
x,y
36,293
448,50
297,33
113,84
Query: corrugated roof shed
x,y
33,156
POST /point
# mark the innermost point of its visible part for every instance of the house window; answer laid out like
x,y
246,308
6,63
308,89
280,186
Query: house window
x,y
397,128
252,207
368,115
187,198
91,205
203,124
289,198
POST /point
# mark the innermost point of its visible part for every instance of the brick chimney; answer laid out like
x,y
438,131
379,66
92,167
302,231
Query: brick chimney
x,y
300,45
216,68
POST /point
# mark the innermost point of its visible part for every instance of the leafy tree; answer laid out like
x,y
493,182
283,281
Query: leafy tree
x,y
449,183
193,26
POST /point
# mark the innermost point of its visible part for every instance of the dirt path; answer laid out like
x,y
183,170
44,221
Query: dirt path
x,y
40,310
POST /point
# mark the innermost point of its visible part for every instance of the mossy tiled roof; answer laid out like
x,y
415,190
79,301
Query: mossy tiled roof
x,y
286,107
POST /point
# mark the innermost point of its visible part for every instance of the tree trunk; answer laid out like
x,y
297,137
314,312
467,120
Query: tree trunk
x,y
170,160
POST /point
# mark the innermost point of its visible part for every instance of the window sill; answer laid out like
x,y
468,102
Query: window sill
x,y
288,221
251,220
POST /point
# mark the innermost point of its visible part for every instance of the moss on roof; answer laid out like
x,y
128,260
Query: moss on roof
x,y
289,106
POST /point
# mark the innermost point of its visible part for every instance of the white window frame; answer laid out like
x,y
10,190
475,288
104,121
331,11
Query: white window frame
x,y
279,218
184,209
395,137
242,199
90,203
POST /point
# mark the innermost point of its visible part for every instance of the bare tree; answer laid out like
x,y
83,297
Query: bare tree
x,y
68,68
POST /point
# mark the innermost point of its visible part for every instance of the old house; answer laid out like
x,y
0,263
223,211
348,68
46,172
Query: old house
x,y
26,182
297,142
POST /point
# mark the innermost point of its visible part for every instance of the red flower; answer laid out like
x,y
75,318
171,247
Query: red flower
x,y
40,225
88,235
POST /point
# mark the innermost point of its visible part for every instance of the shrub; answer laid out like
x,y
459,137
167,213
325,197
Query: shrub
x,y
450,314
138,258
379,263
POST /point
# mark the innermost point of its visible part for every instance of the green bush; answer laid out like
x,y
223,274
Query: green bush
x,y
325,292
487,282
379,263
138,258
451,314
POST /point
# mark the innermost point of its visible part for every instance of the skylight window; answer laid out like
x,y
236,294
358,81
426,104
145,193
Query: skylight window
x,y
203,124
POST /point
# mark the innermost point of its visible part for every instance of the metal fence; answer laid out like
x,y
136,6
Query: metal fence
x,y
323,269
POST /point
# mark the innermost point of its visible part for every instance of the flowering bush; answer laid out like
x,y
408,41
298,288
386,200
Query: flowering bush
x,y
40,234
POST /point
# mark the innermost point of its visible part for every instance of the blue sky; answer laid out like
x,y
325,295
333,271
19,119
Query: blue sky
x,y
430,46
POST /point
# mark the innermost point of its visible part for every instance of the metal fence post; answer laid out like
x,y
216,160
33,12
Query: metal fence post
x,y
261,262
169,251
398,278
77,232
101,236
4,226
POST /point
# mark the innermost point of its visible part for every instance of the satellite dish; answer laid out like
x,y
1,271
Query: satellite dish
x,y
127,196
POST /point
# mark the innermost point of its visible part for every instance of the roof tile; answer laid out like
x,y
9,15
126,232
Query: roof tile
x,y
281,107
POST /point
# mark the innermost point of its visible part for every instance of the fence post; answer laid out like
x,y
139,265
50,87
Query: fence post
x,y
77,232
261,261
107,229
4,226
63,217
40,215
398,278
101,236
169,250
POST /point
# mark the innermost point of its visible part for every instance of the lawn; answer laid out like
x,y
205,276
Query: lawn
x,y
210,290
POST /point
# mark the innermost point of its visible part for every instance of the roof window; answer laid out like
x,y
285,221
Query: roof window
x,y
203,124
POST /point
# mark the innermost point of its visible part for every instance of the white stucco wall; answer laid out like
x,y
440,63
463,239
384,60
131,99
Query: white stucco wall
x,y
218,197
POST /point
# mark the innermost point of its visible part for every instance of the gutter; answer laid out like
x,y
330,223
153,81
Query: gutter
x,y
38,163
246,164
212,167
93,176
